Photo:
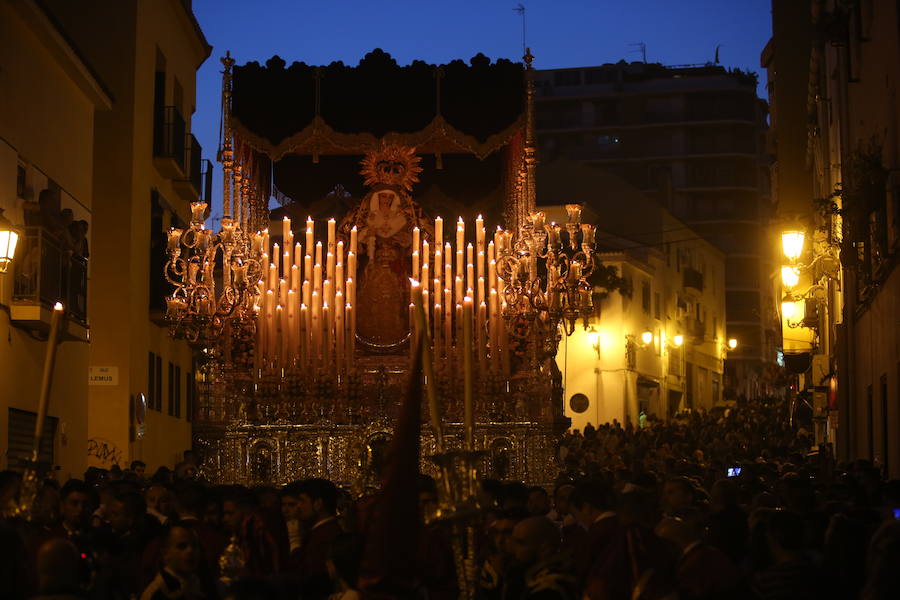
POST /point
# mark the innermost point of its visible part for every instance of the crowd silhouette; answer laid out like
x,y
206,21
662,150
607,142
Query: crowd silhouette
x,y
730,504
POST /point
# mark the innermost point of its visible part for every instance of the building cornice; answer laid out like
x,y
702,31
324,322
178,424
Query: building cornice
x,y
196,33
55,41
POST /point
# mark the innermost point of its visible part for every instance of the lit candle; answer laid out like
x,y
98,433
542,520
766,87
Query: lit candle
x,y
339,331
293,333
460,234
270,324
438,258
415,262
276,254
480,346
468,400
448,322
338,280
298,254
316,348
295,278
286,264
480,272
310,233
289,246
304,339
285,229
427,366
426,283
307,267
265,240
329,266
458,290
354,240
494,330
327,295
47,377
331,234
438,233
438,323
470,276
317,278
281,324
415,240
318,256
351,334
326,336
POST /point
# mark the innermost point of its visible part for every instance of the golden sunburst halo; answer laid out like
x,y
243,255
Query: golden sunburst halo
x,y
392,164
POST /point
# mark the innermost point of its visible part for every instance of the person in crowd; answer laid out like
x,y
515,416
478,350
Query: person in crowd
x,y
160,503
593,505
291,512
138,467
59,571
535,543
677,494
538,504
178,576
703,571
343,562
242,519
316,509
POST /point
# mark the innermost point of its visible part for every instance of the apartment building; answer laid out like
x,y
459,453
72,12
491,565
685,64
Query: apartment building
x,y
691,138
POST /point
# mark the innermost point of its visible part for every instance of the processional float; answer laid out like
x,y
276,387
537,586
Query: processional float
x,y
304,327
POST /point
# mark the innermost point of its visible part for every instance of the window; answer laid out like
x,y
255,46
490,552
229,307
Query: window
x,y
656,305
21,181
569,77
158,388
171,397
645,297
177,392
189,392
151,379
870,418
154,381
20,439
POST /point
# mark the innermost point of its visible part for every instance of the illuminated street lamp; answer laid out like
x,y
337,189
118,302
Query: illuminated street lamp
x,y
9,237
792,243
732,343
678,340
790,276
792,311
647,337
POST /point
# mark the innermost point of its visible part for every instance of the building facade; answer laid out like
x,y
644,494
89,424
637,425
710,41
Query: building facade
x,y
691,138
147,171
842,58
134,172
659,347
49,101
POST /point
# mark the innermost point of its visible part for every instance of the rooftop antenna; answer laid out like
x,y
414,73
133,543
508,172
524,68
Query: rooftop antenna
x,y
520,8
642,47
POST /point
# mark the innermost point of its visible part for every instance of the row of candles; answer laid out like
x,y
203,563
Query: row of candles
x,y
307,307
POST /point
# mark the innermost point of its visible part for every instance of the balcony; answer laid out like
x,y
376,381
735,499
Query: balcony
x,y
693,279
46,272
169,142
695,329
189,186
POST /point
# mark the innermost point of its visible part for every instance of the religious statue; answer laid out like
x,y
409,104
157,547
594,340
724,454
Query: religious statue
x,y
385,219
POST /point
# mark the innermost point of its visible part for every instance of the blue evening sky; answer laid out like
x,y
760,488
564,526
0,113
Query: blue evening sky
x,y
561,33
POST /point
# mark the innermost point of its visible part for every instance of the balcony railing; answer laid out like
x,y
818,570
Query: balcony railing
x,y
193,160
46,272
169,141
695,329
693,279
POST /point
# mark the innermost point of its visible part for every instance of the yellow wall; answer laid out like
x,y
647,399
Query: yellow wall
x,y
121,41
611,387
46,123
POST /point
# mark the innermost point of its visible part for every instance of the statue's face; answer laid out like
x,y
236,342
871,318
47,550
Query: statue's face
x,y
385,199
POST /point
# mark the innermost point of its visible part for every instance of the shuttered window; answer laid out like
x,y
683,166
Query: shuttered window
x,y
20,436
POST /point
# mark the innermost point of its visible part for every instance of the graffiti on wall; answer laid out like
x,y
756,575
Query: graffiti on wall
x,y
103,453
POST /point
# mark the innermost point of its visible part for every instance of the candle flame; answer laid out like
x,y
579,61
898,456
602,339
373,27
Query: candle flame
x,y
58,306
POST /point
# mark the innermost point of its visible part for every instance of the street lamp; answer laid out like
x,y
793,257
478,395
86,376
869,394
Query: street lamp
x,y
790,276
678,340
9,237
792,243
732,343
647,337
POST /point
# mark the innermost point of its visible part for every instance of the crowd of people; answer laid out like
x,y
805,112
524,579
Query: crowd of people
x,y
723,505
